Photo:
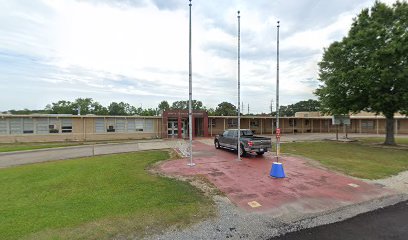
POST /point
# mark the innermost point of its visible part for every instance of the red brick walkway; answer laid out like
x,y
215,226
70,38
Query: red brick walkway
x,y
305,189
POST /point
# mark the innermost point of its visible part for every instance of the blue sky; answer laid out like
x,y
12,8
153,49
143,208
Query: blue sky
x,y
137,51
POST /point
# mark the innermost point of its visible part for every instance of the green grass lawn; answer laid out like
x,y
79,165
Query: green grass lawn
x,y
95,198
358,160
380,140
20,146
11,147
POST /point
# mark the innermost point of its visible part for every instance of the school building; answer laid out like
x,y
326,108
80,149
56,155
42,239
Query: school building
x,y
174,124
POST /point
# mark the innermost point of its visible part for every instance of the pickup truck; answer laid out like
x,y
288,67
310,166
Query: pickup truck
x,y
249,143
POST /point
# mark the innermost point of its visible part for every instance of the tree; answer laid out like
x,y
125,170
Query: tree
x,y
302,106
85,104
368,69
98,109
121,109
226,109
163,106
183,105
61,107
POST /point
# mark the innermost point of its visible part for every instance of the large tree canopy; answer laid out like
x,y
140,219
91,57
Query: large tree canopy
x,y
368,69
226,109
302,106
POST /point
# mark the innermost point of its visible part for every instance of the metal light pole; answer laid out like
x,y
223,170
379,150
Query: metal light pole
x,y
277,98
239,92
190,89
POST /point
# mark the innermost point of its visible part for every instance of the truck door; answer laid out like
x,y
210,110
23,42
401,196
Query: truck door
x,y
232,138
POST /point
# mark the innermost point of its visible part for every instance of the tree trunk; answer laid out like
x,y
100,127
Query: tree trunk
x,y
389,137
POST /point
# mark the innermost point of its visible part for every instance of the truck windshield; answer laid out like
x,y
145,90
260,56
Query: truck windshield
x,y
247,133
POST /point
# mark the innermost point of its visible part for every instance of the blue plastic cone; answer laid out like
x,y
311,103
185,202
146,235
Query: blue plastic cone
x,y
277,170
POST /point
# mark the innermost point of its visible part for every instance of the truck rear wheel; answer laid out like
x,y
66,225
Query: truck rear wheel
x,y
242,152
260,153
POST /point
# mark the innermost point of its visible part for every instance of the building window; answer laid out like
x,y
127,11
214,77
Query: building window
x,y
3,127
254,123
53,124
28,125
131,125
99,125
211,122
367,124
53,128
148,126
16,126
232,123
42,126
110,125
307,122
120,125
139,125
66,125
292,122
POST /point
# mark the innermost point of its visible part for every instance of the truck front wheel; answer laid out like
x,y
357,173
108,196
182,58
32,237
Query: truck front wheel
x,y
217,144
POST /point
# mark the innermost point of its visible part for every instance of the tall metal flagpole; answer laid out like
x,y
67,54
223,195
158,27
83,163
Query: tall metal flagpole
x,y
239,92
190,88
277,98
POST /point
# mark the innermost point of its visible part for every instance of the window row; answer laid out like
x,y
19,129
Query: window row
x,y
122,125
35,126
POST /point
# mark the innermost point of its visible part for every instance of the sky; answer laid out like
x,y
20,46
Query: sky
x,y
137,51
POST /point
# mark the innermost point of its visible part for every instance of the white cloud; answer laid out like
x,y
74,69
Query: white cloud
x,y
137,51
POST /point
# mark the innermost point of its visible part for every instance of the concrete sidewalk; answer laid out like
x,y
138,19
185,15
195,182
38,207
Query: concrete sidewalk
x,y
9,159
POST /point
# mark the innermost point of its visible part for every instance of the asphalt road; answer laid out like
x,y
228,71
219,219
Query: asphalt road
x,y
386,223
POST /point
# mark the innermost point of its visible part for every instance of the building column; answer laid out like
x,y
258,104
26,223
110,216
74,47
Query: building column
x,y
224,124
194,126
396,126
311,122
303,120
272,126
283,125
320,125
179,127
328,126
205,125
261,126
164,126
376,125
359,127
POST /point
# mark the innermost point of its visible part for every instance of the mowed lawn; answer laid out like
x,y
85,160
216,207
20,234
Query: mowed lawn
x,y
11,147
95,198
355,159
378,140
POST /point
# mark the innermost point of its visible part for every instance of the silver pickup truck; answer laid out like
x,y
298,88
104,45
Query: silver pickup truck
x,y
249,143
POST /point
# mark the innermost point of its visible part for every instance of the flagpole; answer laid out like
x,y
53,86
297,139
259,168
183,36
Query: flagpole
x,y
277,98
190,88
239,89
